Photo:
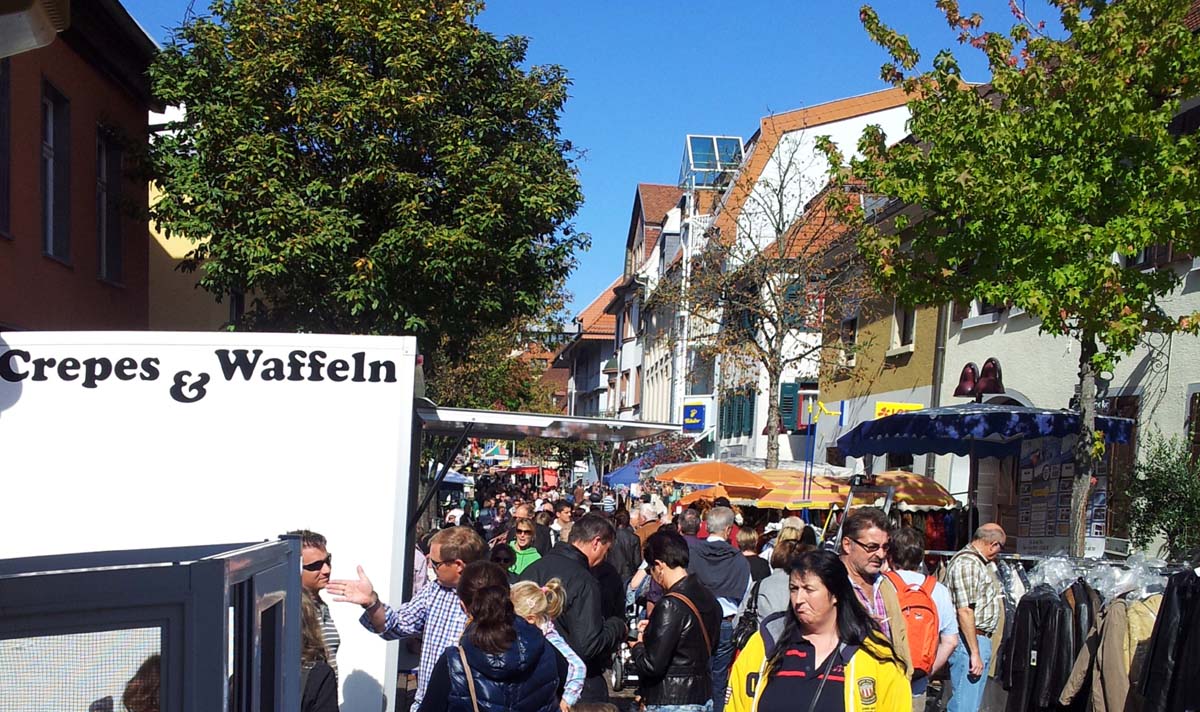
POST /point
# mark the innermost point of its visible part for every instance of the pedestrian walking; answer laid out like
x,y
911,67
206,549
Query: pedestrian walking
x,y
589,633
501,663
824,653
539,606
978,599
672,655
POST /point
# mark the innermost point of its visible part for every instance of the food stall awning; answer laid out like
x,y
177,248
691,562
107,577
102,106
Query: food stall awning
x,y
912,493
506,425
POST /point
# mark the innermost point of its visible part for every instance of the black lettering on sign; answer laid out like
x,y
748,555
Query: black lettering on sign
x,y
8,365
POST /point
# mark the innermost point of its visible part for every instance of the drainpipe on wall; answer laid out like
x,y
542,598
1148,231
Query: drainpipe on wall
x,y
939,369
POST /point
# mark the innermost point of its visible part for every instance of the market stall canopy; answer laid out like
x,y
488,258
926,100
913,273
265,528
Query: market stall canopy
x,y
630,472
715,473
984,429
505,425
735,495
913,493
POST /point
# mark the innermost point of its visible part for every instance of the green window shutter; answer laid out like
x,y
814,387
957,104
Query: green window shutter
x,y
726,416
740,414
789,405
749,429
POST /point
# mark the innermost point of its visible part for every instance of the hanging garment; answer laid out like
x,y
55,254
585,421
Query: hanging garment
x,y
1165,666
1040,662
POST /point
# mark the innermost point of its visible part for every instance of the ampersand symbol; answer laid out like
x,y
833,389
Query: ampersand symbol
x,y
189,389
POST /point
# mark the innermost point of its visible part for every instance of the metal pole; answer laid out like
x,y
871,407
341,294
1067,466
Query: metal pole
x,y
437,482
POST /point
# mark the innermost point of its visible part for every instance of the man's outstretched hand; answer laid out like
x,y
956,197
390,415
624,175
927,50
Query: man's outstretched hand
x,y
358,591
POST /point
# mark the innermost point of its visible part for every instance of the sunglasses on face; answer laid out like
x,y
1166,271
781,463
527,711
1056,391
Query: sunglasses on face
x,y
319,563
525,531
871,548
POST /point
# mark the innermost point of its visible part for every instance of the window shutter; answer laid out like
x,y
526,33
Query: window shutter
x,y
1193,426
115,242
789,408
62,178
748,429
962,309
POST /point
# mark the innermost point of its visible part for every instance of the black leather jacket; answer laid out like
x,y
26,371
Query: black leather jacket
x,y
673,661
1170,680
582,622
1042,651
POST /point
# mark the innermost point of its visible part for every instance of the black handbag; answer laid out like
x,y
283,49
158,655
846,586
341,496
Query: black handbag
x,y
747,625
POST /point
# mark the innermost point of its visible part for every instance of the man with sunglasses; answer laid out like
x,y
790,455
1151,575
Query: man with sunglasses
x,y
316,563
864,550
435,613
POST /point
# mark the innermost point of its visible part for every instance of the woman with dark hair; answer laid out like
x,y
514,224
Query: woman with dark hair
x,y
502,662
823,654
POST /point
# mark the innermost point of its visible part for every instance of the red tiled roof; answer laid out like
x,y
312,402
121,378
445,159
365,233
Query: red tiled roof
x,y
1192,19
593,318
655,201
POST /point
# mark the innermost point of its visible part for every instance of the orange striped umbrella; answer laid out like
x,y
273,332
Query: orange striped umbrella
x,y
735,495
715,473
913,493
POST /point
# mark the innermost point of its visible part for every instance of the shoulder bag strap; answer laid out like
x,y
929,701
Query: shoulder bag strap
x,y
752,606
928,585
462,654
699,620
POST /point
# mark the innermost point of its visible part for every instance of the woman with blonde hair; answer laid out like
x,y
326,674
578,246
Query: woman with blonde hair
x,y
540,605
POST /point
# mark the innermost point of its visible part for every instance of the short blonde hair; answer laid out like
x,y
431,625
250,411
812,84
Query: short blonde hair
x,y
541,603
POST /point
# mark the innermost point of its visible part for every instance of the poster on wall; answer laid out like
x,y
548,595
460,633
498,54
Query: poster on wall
x,y
1046,473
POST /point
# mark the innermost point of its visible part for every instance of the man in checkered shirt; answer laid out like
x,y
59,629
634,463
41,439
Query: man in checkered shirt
x,y
435,613
977,594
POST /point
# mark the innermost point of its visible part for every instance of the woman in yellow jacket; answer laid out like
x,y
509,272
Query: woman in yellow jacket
x,y
824,654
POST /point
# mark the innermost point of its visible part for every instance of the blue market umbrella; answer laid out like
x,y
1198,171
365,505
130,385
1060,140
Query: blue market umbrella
x,y
979,429
630,472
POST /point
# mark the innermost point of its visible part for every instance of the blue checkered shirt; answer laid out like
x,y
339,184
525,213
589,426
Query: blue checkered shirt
x,y
434,613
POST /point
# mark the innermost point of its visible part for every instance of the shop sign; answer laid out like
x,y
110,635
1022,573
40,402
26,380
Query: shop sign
x,y
886,408
693,418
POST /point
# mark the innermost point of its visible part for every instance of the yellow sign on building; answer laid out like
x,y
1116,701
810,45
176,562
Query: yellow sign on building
x,y
886,408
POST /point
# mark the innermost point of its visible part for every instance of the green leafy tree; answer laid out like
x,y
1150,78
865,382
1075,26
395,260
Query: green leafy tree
x,y
1166,497
1039,188
366,166
492,375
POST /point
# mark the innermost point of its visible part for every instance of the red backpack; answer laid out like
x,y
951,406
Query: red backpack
x,y
921,619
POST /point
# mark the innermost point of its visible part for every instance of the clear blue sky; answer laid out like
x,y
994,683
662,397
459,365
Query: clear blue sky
x,y
648,72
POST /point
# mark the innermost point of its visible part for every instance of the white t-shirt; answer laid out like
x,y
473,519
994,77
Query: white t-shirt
x,y
947,616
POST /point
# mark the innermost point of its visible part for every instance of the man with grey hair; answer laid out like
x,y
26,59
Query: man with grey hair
x,y
722,569
978,597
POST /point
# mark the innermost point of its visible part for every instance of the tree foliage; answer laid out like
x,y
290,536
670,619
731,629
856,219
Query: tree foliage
x,y
1037,189
1166,497
492,375
366,166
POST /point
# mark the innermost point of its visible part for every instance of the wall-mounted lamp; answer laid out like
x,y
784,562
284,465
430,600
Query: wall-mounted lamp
x,y
976,383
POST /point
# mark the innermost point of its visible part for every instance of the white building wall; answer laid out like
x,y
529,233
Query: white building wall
x,y
797,159
1041,370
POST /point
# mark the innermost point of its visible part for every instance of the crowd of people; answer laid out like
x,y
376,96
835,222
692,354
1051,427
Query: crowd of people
x,y
522,601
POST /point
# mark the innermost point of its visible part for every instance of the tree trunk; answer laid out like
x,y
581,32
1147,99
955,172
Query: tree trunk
x,y
1084,459
773,375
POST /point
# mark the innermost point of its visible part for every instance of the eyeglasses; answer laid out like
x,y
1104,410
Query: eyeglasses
x,y
439,564
871,548
319,563
525,531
